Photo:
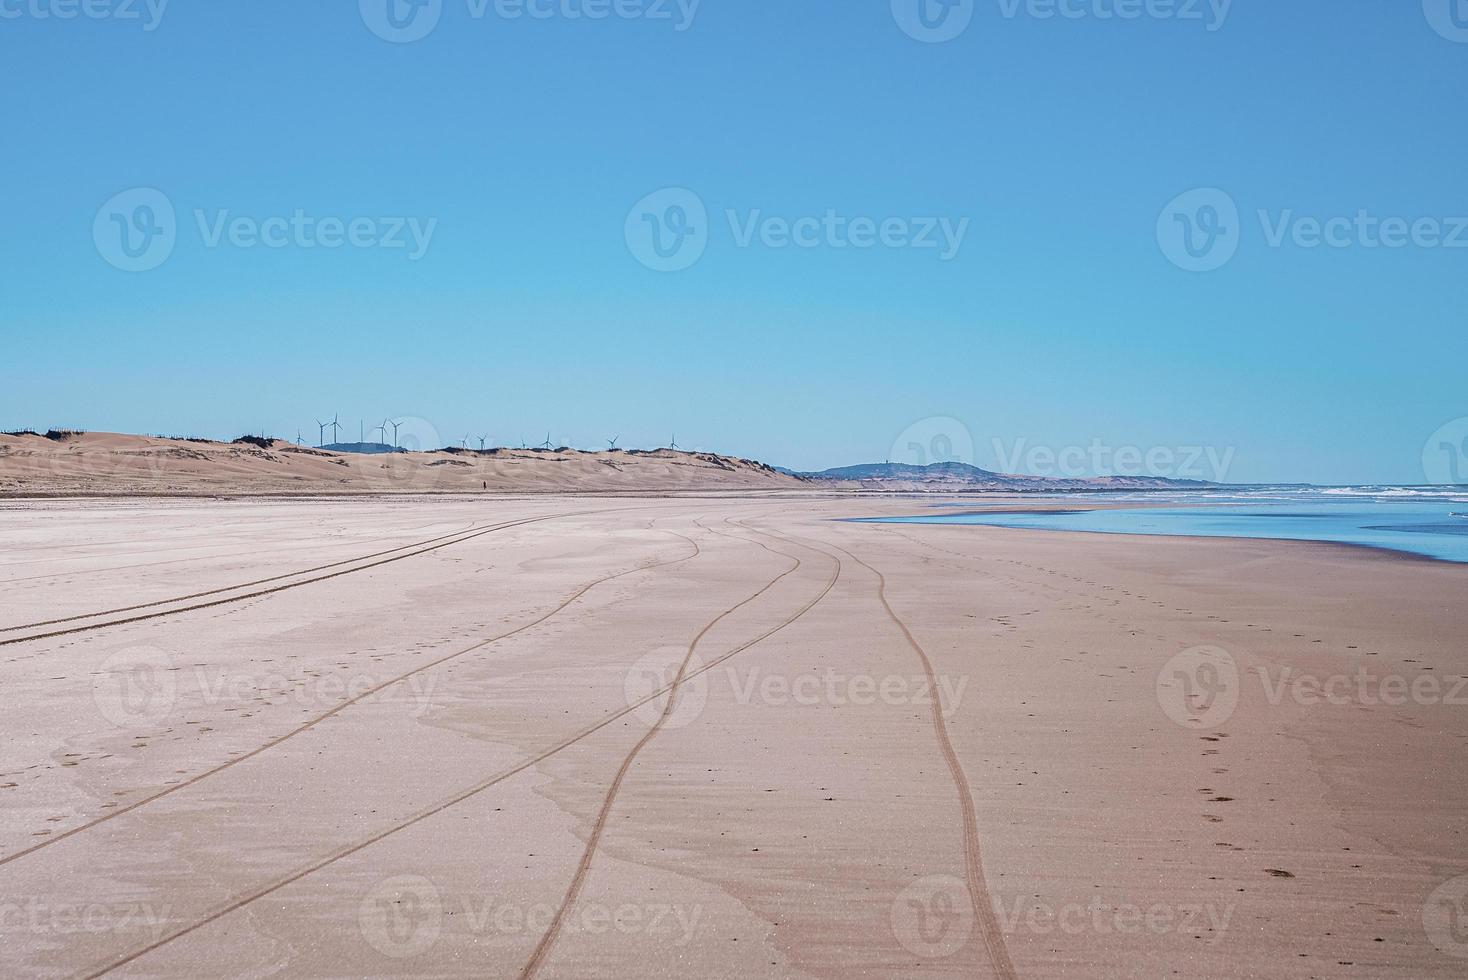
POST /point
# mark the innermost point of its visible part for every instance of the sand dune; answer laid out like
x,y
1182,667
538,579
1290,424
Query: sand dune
x,y
95,463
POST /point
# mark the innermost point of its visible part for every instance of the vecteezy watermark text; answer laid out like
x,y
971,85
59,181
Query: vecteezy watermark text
x,y
1101,459
1213,14
933,918
302,230
147,13
936,21
1202,230
1361,687
1124,919
1201,688
669,230
673,672
138,229
142,685
835,689
406,916
834,230
44,918
406,21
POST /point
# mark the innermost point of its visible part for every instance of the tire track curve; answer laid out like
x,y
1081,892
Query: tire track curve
x,y
227,556
339,708
578,879
979,895
293,585
437,808
227,588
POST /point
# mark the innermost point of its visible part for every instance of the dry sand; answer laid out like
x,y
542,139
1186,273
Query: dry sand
x,y
405,737
110,464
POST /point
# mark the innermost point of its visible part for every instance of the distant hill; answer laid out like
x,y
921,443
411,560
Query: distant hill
x,y
952,476
906,471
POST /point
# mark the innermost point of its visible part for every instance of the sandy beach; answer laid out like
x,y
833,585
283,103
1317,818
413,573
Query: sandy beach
x,y
721,736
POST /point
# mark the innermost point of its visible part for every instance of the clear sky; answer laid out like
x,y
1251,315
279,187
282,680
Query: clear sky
x,y
1054,186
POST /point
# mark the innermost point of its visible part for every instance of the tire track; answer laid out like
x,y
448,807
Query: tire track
x,y
978,888
228,556
470,792
200,777
292,585
578,880
227,588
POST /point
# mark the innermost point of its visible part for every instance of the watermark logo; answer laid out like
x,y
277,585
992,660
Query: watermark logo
x,y
1448,17
1199,231
1445,457
933,21
668,230
401,21
1199,688
135,686
404,470
148,13
647,686
1445,917
73,461
933,918
145,685
401,917
937,439
414,434
136,230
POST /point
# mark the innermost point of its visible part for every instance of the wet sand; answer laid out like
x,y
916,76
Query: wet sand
x,y
434,738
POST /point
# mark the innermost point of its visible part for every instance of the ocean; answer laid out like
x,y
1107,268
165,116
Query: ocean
x,y
1428,521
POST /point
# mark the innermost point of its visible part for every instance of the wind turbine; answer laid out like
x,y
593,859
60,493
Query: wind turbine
x,y
465,443
674,444
481,441
546,444
321,433
382,429
394,430
612,443
335,438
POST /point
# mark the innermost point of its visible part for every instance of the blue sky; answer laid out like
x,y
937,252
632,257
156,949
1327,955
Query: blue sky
x,y
1065,317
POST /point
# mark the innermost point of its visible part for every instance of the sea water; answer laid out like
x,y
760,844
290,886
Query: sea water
x,y
1431,521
